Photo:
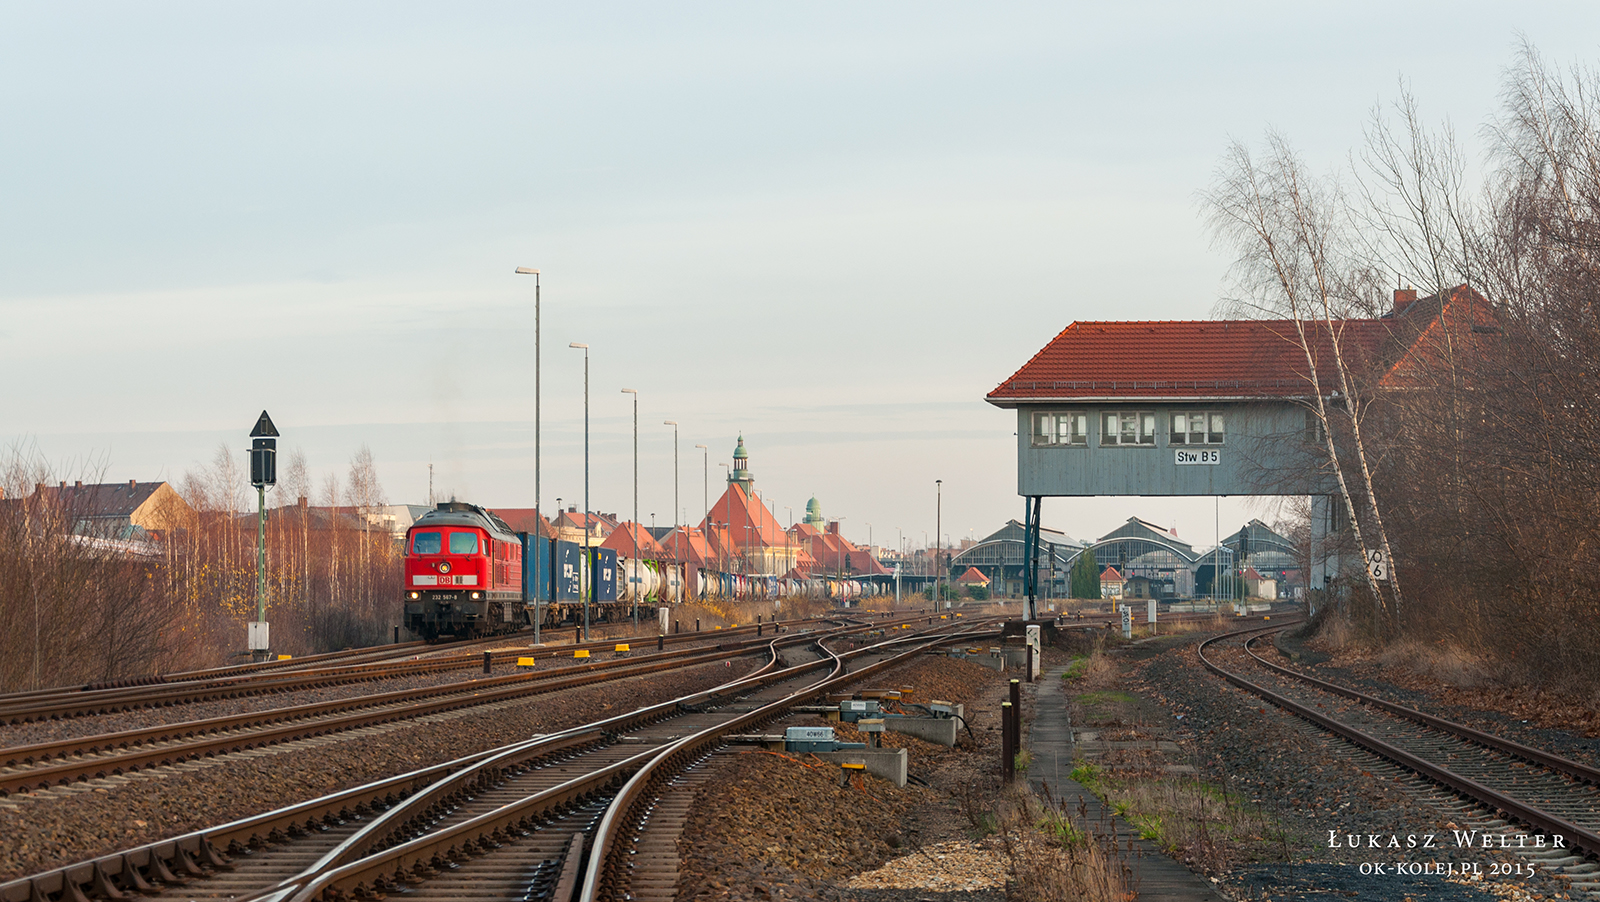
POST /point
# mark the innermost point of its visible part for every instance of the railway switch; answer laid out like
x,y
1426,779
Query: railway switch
x,y
815,739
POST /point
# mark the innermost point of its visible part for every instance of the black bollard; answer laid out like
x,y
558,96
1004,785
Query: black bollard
x,y
488,663
1008,755
697,624
661,643
577,635
397,635
677,626
1016,719
758,626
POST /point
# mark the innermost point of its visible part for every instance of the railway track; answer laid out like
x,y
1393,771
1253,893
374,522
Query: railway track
x,y
1509,788
204,686
541,819
50,764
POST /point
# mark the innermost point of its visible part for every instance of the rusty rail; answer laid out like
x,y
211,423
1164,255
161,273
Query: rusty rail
x,y
1579,837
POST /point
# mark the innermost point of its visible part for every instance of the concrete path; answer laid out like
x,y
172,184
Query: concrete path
x,y
1159,878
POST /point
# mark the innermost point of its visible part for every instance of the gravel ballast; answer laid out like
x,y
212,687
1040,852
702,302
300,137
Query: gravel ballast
x,y
59,826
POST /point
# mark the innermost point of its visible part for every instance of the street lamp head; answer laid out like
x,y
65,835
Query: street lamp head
x,y
578,344
527,271
669,422
702,446
631,391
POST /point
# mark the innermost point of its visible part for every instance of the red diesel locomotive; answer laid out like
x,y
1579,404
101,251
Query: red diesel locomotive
x,y
463,573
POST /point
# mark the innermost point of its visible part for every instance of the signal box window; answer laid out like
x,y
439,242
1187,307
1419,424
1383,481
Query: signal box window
x,y
1198,428
1052,430
463,543
1128,429
425,543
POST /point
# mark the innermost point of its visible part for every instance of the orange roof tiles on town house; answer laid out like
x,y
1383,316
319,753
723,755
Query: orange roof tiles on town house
x,y
973,576
524,519
691,545
736,510
1111,576
622,541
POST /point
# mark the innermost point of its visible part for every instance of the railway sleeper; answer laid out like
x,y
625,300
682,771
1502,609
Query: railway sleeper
x,y
130,880
158,870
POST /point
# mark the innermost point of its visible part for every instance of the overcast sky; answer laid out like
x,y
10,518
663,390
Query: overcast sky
x,y
832,227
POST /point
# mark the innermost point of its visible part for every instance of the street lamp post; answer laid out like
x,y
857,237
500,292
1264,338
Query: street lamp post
x,y
674,425
938,554
583,590
633,565
538,520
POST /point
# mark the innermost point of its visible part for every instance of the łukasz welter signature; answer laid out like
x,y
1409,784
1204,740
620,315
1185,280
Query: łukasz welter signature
x,y
1459,839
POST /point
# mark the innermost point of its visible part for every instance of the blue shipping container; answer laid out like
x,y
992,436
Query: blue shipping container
x,y
537,568
569,576
605,574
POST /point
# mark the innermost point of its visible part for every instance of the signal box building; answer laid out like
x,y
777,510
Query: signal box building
x,y
1218,407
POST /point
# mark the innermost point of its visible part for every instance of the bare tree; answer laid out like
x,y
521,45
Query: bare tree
x,y
1290,232
366,496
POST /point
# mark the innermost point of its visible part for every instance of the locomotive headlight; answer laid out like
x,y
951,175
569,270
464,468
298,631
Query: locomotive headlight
x,y
416,595
444,566
474,595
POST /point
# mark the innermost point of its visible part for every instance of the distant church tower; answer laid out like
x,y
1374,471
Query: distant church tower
x,y
740,475
814,515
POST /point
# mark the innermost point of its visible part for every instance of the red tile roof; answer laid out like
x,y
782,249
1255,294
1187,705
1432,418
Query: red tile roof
x,y
736,510
689,544
828,553
1213,358
622,541
1111,576
973,575
523,519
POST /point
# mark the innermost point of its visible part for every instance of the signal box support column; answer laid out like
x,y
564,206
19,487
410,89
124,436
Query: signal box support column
x,y
1030,564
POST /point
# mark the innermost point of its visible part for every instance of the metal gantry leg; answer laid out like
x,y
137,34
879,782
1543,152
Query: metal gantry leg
x,y
1030,567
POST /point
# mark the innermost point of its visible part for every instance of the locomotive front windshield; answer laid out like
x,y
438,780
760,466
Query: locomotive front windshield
x,y
463,543
425,543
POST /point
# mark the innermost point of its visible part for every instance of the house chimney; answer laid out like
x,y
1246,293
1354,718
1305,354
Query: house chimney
x,y
133,485
301,503
62,486
78,484
1403,298
833,527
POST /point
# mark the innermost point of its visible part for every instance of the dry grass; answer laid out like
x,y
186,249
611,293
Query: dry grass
x,y
1447,663
714,613
1199,822
1440,660
1095,670
1055,855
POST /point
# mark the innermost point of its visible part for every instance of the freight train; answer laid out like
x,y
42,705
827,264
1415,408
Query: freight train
x,y
467,573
